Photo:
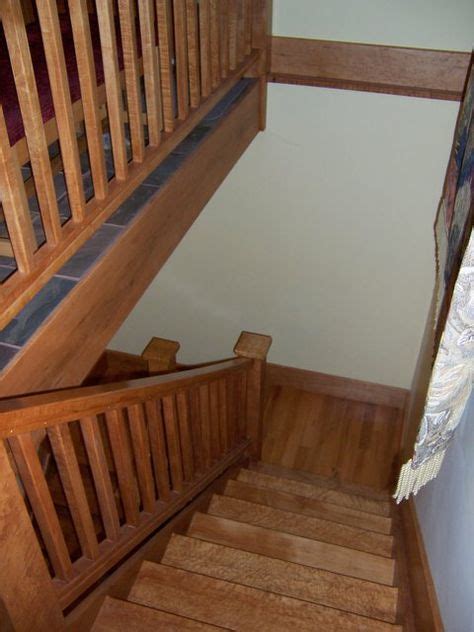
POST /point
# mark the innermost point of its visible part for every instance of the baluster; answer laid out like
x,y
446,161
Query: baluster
x,y
185,434
101,475
173,442
205,425
224,37
34,482
214,43
196,433
214,417
15,204
113,86
193,53
22,66
241,388
181,48
151,70
248,27
233,33
205,47
165,39
231,410
132,78
141,450
56,63
90,99
158,448
241,19
223,418
68,467
123,465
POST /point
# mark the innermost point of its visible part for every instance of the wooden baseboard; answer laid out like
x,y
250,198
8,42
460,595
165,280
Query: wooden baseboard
x,y
424,603
412,72
344,387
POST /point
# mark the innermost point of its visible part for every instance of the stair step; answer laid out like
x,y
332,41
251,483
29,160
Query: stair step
x,y
310,490
308,507
238,607
292,548
330,483
116,614
298,524
284,578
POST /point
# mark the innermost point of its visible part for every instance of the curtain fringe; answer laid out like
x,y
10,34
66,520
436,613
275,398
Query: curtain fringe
x,y
411,480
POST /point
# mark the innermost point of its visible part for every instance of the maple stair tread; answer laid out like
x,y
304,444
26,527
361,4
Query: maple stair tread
x,y
238,607
330,483
292,548
284,578
299,524
310,490
116,615
308,506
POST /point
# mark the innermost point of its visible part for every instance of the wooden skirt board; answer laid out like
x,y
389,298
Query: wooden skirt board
x,y
354,442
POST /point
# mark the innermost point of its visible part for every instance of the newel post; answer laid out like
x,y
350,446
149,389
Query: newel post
x,y
160,354
254,347
28,599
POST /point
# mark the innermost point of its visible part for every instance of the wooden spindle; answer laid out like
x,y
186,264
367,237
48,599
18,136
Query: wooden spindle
x,y
173,442
205,47
241,19
29,599
214,35
151,71
22,66
241,389
248,27
15,204
181,49
254,347
34,482
224,37
231,401
158,448
165,35
223,419
132,78
206,433
196,434
193,53
185,435
90,100
113,86
141,450
56,63
233,33
261,41
214,419
70,474
101,475
123,465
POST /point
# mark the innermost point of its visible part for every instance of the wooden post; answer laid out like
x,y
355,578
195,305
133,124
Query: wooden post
x,y
161,354
254,347
27,597
262,15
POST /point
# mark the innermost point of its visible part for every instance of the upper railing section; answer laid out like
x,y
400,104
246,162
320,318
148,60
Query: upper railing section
x,y
94,95
87,474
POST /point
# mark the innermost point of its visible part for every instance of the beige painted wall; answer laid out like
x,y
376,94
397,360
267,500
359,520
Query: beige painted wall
x,y
322,234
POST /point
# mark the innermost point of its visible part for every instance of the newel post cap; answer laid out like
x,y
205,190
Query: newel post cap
x,y
252,345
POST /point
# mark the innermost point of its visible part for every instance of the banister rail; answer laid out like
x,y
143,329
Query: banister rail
x,y
118,83
122,459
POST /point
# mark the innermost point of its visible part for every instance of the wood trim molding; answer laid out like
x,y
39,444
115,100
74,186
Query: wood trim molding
x,y
335,386
415,72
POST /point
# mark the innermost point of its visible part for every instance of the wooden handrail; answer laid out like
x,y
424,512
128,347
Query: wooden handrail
x,y
34,412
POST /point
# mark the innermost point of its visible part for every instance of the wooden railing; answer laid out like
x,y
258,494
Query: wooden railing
x,y
165,64
124,458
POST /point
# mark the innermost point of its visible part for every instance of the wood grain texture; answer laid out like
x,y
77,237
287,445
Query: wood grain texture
x,y
370,67
235,606
305,526
282,578
192,23
316,492
151,70
292,548
335,386
322,427
309,507
117,615
165,40
102,301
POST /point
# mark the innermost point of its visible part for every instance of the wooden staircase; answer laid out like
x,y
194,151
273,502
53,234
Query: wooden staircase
x,y
276,550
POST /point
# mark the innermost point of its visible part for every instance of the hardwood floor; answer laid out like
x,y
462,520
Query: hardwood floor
x,y
353,442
